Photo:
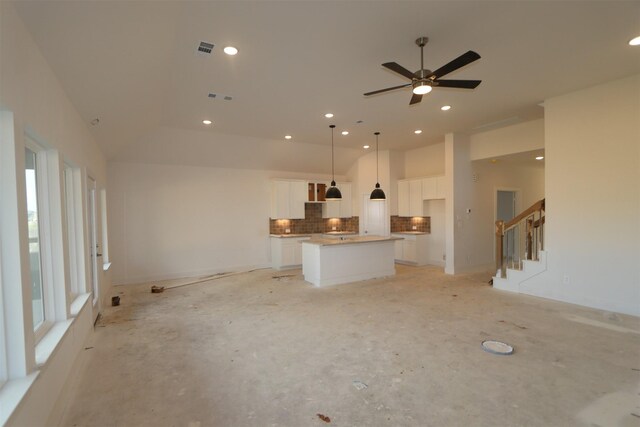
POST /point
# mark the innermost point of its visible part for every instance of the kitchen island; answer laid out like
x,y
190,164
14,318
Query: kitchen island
x,y
330,261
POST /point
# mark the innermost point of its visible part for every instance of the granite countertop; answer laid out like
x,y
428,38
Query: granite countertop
x,y
349,240
341,233
409,232
282,236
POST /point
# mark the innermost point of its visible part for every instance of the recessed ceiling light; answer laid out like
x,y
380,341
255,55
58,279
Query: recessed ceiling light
x,y
635,41
417,131
366,147
328,115
539,157
206,122
345,132
288,137
230,50
445,107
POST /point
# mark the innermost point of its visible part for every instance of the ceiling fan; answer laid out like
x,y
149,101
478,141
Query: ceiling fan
x,y
424,80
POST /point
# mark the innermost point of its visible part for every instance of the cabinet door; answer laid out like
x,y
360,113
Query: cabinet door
x,y
279,199
415,197
297,197
403,198
429,191
409,250
331,208
441,187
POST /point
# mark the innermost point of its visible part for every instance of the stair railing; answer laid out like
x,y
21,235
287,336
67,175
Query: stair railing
x,y
520,238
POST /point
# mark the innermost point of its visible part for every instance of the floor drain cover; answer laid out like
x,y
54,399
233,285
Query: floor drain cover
x,y
497,347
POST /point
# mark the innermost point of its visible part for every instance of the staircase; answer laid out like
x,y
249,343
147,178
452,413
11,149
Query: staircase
x,y
520,252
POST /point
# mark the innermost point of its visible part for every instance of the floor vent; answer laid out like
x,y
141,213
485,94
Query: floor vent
x,y
205,47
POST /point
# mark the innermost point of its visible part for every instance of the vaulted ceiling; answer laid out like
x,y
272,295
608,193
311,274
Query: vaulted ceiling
x,y
134,65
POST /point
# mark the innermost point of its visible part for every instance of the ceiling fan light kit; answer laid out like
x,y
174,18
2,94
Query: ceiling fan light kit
x,y
424,80
333,193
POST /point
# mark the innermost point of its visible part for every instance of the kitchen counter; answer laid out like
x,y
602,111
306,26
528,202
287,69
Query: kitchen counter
x,y
284,236
341,233
349,240
331,261
412,233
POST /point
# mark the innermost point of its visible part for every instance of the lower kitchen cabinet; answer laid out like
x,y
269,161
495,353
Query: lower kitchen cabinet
x,y
286,252
412,249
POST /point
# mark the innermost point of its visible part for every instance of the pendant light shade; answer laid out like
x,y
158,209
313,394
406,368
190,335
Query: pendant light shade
x,y
377,193
333,193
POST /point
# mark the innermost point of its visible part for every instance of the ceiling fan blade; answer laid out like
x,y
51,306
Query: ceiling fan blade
x,y
462,84
415,99
394,66
387,89
459,62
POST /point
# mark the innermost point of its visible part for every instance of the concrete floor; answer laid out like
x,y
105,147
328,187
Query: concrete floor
x,y
254,350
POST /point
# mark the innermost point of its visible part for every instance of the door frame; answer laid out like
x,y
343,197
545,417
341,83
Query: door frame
x,y
518,209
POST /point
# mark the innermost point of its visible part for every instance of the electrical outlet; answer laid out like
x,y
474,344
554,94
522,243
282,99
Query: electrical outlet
x,y
287,230
414,227
565,279
333,228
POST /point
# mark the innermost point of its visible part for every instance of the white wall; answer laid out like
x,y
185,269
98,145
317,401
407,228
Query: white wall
x,y
38,103
518,138
592,154
424,161
172,221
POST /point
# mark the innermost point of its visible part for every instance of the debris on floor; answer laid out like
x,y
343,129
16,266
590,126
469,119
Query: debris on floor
x,y
157,289
88,348
115,301
497,347
511,323
324,418
359,385
284,276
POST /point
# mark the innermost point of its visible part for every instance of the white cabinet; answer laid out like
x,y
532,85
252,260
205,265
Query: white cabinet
x,y
410,198
288,198
286,252
433,188
339,208
412,249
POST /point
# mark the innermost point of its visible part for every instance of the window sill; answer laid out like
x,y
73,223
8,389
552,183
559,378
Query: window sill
x,y
11,395
106,266
78,303
50,341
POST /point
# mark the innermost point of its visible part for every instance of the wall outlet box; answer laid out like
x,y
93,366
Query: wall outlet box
x,y
333,228
287,230
414,227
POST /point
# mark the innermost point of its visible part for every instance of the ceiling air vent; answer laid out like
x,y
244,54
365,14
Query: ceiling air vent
x,y
218,95
205,47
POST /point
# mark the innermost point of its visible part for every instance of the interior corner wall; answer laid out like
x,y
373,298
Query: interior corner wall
x,y
592,235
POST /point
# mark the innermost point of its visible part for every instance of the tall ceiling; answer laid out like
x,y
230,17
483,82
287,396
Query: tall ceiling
x,y
134,64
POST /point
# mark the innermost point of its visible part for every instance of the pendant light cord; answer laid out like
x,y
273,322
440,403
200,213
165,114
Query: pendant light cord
x,y
333,174
377,163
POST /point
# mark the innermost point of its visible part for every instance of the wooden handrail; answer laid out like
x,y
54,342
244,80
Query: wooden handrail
x,y
537,206
531,224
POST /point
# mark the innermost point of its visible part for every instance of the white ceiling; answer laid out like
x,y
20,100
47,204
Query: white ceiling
x,y
134,64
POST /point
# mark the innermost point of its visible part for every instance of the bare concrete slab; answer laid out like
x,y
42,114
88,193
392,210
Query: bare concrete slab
x,y
267,349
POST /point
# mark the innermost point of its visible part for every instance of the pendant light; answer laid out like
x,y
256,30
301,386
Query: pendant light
x,y
377,193
332,192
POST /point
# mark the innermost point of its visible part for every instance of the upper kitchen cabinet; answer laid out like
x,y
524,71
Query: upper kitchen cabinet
x,y
339,208
410,198
433,188
317,191
288,198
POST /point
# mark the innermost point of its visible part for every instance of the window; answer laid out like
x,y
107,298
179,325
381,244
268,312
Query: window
x,y
33,223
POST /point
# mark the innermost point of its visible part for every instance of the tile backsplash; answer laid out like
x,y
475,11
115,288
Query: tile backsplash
x,y
313,222
402,223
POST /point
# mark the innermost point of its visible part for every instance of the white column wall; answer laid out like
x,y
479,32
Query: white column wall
x,y
592,173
